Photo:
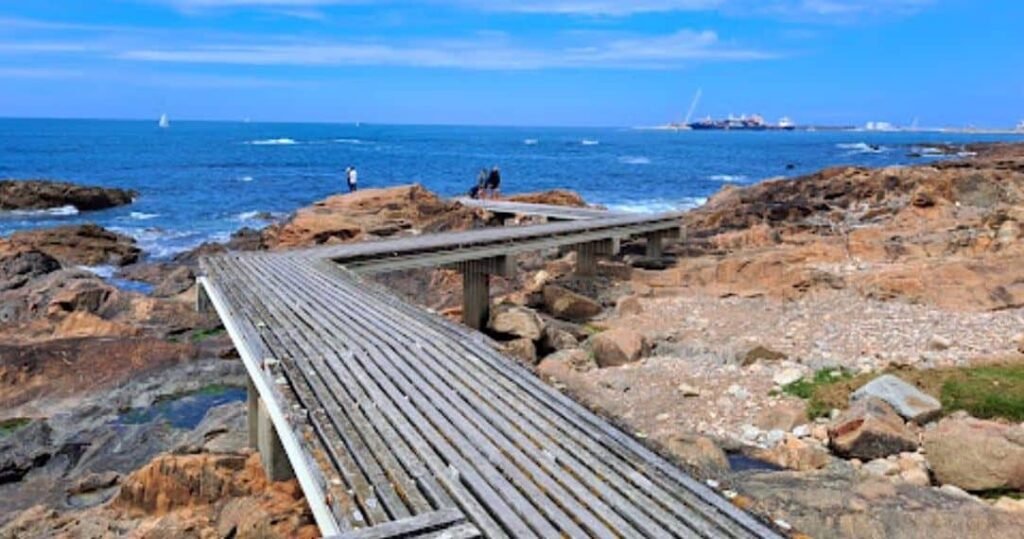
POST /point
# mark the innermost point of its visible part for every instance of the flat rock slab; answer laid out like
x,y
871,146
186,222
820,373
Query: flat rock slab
x,y
909,402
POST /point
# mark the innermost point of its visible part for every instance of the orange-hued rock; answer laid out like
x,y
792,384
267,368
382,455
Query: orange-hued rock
x,y
554,197
55,369
202,495
230,491
372,213
86,245
946,234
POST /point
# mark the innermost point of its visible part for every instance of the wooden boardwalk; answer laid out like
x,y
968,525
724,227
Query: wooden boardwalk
x,y
400,423
564,213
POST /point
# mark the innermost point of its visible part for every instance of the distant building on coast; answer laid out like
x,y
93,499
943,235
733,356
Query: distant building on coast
x,y
880,126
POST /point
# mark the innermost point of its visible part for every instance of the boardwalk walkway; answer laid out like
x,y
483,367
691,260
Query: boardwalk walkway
x,y
399,423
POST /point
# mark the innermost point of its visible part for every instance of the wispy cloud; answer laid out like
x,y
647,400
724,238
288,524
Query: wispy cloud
x,y
609,8
39,73
488,53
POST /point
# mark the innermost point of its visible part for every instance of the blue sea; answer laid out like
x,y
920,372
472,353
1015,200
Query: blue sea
x,y
200,181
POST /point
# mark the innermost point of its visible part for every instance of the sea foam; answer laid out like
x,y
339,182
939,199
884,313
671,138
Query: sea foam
x,y
727,178
530,142
62,210
658,205
273,142
590,142
634,160
861,147
142,216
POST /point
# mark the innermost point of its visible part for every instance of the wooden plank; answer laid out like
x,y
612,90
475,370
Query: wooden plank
x,y
542,210
517,413
488,460
414,428
311,487
412,526
577,414
360,472
407,352
523,452
342,505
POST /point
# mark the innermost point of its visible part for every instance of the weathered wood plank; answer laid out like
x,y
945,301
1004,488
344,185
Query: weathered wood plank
x,y
425,416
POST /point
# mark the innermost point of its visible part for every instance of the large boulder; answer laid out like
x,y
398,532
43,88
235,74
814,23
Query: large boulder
x,y
835,502
42,194
521,349
795,454
19,266
975,454
568,305
911,403
871,429
698,451
177,281
617,347
554,197
85,245
372,213
515,321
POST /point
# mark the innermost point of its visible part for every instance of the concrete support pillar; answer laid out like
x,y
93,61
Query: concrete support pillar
x,y
272,454
203,303
587,254
252,399
654,248
476,299
476,286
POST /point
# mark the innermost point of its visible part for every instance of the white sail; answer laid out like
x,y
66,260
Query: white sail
x,y
164,121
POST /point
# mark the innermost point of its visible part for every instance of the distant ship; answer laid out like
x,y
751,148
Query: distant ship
x,y
164,121
753,122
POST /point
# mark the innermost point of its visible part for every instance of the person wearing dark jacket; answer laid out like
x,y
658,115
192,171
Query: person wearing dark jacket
x,y
493,184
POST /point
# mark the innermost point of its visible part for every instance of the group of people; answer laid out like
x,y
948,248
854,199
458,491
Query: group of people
x,y
488,184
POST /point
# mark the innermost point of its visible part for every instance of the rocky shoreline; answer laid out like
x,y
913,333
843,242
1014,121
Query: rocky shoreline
x,y
805,349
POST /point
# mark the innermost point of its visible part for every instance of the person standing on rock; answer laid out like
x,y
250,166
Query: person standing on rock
x,y
351,177
493,185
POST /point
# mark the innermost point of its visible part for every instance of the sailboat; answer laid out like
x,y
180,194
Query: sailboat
x,y
164,122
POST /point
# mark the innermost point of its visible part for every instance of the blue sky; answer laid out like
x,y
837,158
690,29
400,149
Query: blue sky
x,y
515,62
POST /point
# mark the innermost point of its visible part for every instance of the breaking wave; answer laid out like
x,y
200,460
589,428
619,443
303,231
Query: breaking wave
x,y
62,210
273,142
727,178
530,142
245,179
658,205
590,142
634,160
142,216
861,147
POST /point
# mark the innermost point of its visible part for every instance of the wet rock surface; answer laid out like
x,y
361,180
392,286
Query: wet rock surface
x,y
79,245
45,194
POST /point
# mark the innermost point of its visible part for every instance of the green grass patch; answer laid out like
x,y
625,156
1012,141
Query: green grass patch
x,y
988,391
204,334
809,389
8,426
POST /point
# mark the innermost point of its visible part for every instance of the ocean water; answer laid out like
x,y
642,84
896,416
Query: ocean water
x,y
200,181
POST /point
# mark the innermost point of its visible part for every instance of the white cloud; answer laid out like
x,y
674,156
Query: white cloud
x,y
611,8
38,73
491,52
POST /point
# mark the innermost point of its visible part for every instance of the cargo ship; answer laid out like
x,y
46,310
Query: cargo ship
x,y
753,122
